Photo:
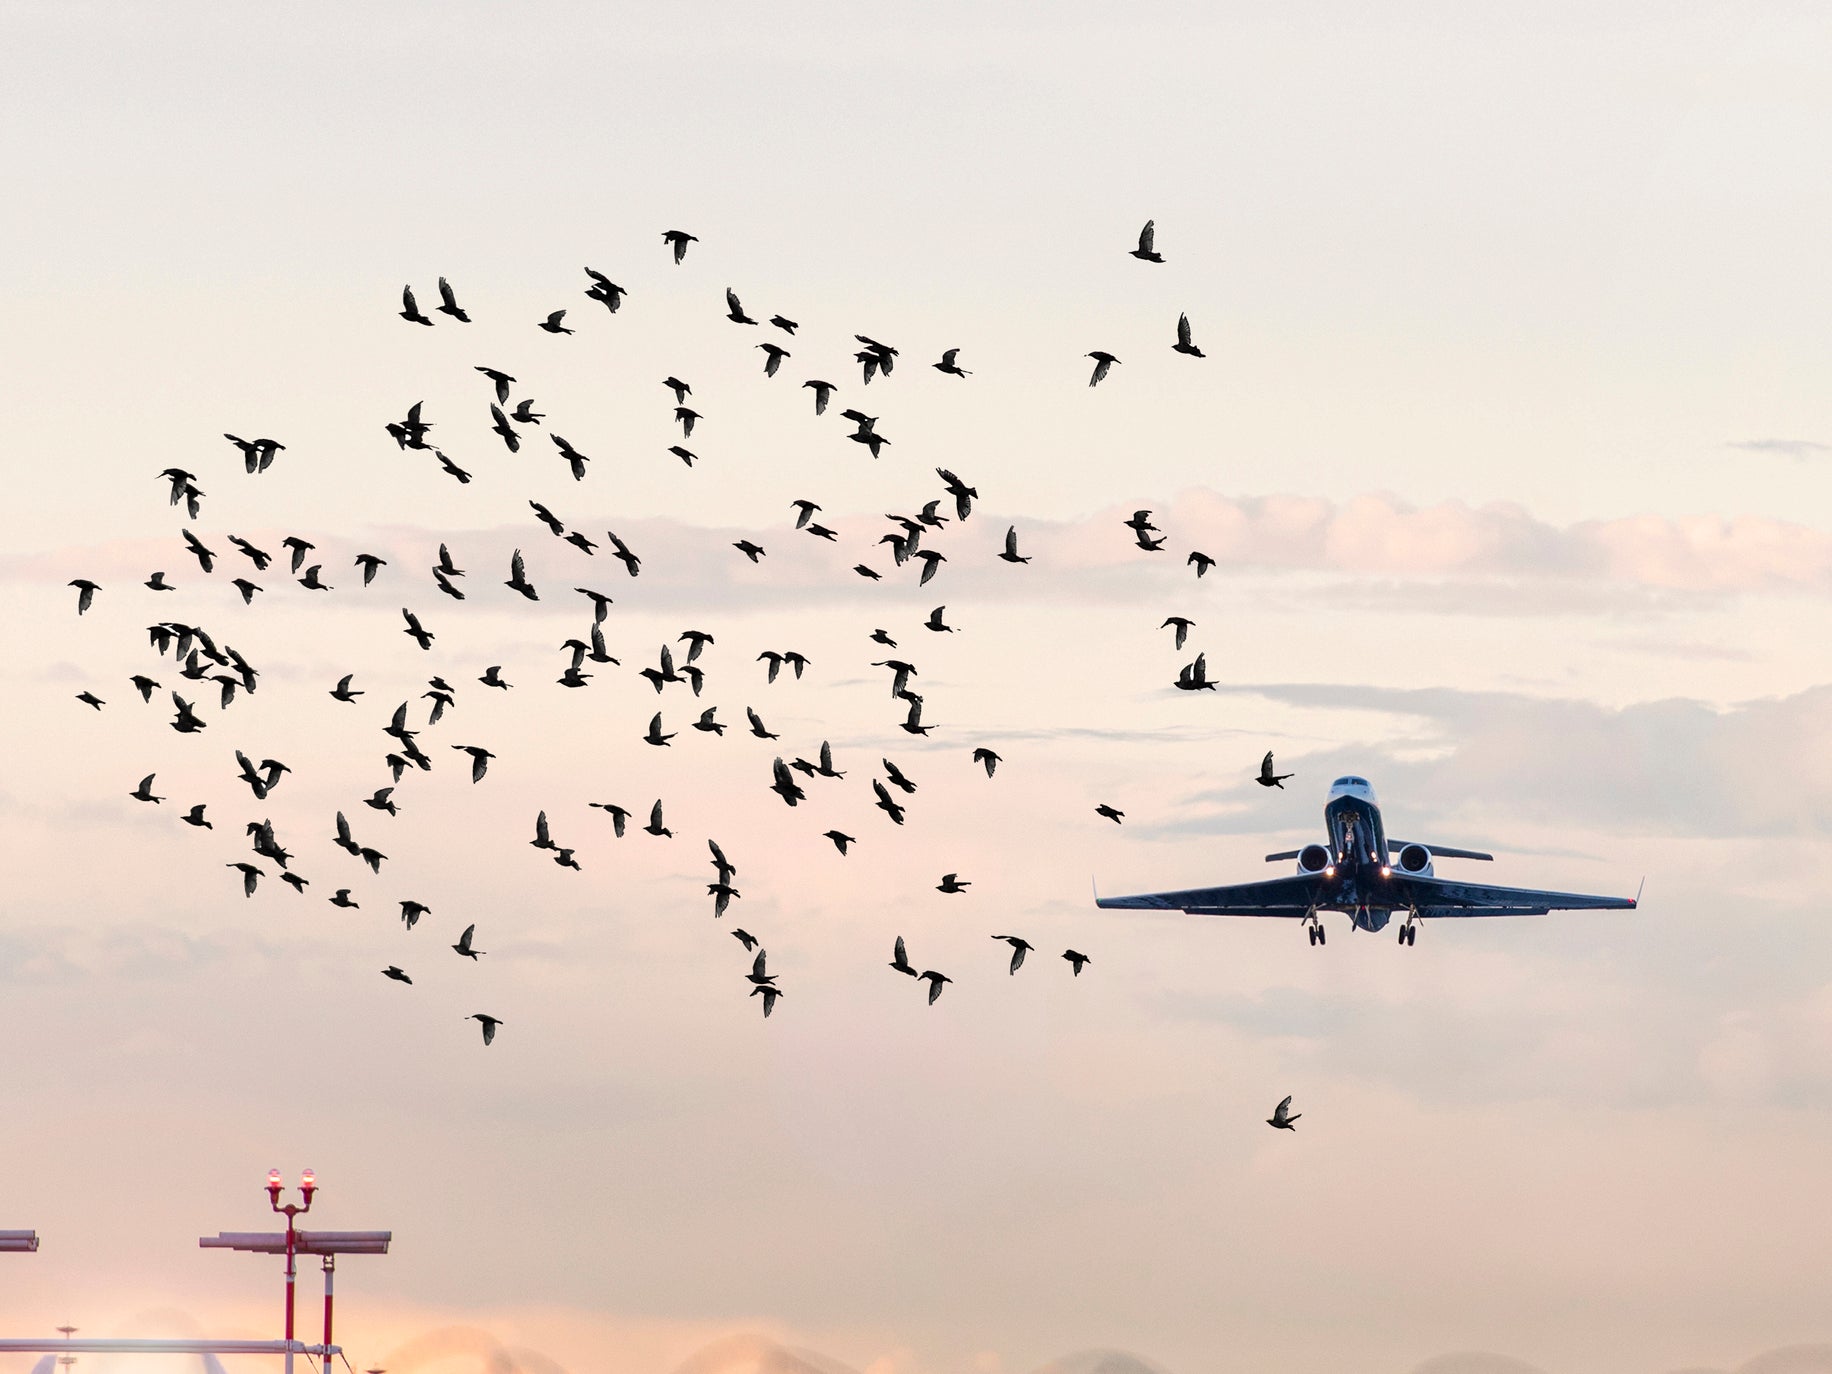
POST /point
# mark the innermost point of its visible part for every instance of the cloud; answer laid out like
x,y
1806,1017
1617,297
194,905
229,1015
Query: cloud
x,y
1787,448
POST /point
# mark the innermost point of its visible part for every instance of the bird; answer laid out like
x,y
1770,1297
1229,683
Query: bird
x,y
631,563
912,723
502,381
311,581
369,562
950,882
822,391
707,723
525,413
601,604
575,460
250,876
1145,252
418,633
1201,561
564,858
464,943
619,816
1182,626
726,868
552,323
885,803
696,641
930,561
1111,813
934,622
935,981
840,839
757,726
85,593
773,354
769,995
962,493
500,424
158,583
787,326
144,792
342,692
195,816
804,511
143,685
480,759
1011,554
518,577
686,416
734,311
1268,778
1282,1117
1019,948
749,550
1102,362
826,769
680,389
543,839
900,959
410,311
948,365
604,289
259,557
783,783
985,756
91,699
392,971
1193,677
655,826
1140,523
897,779
870,573
1076,960
879,637
492,677
757,974
722,894
1183,344
382,801
686,456
795,661
745,938
900,674
412,911
655,735
489,1023
679,241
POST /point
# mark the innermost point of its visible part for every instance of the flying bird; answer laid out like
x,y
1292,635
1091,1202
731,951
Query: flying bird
x,y
840,839
900,959
195,816
1019,948
1268,778
985,756
950,882
392,971
655,826
745,938
1200,561
480,759
947,364
464,943
1111,813
502,380
655,735
934,622
935,981
757,726
410,311
679,241
1182,626
619,816
1102,362
1076,960
1145,252
885,803
1011,554
734,311
369,562
749,550
144,792
898,780
783,783
772,358
769,995
415,631
1282,1117
489,1023
1183,344
85,593
822,391
552,323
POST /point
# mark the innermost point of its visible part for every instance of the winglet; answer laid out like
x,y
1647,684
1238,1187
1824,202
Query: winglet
x,y
1643,883
1094,882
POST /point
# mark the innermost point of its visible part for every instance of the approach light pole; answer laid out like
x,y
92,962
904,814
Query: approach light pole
x,y
66,1360
18,1242
308,1184
292,1243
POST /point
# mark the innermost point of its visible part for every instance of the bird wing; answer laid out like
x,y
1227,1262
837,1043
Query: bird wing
x,y
1282,1108
540,828
757,963
1266,765
407,301
1183,329
1146,235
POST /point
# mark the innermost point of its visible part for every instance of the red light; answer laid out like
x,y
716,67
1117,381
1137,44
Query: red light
x,y
308,1180
273,1179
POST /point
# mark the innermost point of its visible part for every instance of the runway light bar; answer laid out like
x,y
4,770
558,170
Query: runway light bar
x,y
18,1242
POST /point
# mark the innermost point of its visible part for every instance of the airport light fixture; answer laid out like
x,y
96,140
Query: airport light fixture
x,y
18,1242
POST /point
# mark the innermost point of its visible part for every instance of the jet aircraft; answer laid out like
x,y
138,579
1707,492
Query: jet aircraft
x,y
1371,877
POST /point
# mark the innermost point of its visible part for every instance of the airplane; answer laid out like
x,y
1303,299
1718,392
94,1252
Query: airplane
x,y
1373,878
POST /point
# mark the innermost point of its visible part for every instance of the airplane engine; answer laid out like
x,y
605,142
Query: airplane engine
x,y
1415,860
1313,858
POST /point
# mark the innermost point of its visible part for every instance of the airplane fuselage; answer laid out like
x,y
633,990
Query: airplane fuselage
x,y
1357,862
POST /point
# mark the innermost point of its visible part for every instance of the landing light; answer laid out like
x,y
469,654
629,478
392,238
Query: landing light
x,y
1329,870
1386,871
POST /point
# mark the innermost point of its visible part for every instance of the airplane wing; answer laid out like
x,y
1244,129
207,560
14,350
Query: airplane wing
x,y
1291,897
1445,897
1439,851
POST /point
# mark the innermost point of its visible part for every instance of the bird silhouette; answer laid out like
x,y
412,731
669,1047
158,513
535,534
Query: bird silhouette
x,y
885,803
1183,344
950,882
552,323
1076,960
1182,626
369,563
1011,554
415,631
655,826
900,959
840,839
773,355
85,593
1194,676
783,783
464,943
912,723
543,837
986,757
935,981
250,876
1109,812
619,816
1019,948
409,310
1103,362
897,778
144,792
947,364
734,311
1145,251
342,898
195,816
679,241
745,938
480,759
655,735
769,995
392,971
749,550
412,911
1201,562
934,622
502,381
1282,1117
489,1024
822,392
1268,778
492,677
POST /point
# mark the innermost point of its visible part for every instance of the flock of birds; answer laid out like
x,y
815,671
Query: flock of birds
x,y
204,660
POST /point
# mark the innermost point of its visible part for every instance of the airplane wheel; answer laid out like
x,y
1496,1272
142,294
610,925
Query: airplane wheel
x,y
1312,932
1412,935
1322,936
1402,935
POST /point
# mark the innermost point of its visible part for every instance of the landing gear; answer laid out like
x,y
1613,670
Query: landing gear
x,y
1409,933
1312,932
1314,928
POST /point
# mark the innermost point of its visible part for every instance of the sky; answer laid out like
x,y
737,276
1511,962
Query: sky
x,y
1510,447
